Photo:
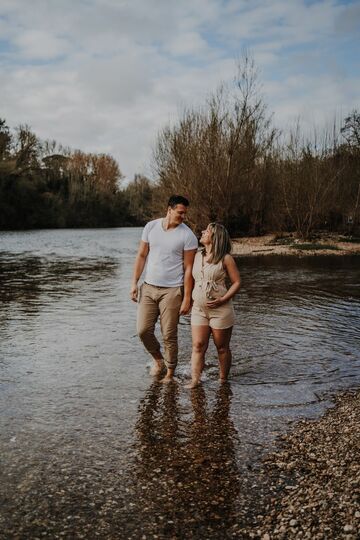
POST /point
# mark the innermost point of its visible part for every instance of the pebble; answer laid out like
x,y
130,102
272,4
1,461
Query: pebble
x,y
310,478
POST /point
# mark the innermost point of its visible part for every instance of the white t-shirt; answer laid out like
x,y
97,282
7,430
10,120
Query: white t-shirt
x,y
165,261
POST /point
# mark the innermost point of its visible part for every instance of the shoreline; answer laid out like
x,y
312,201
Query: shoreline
x,y
287,245
313,478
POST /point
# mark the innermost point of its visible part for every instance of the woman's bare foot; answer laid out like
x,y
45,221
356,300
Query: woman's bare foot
x,y
167,379
192,384
157,368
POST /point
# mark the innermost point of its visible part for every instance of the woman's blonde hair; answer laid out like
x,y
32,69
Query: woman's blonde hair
x,y
221,243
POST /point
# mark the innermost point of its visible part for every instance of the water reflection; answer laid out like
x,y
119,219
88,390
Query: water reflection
x,y
73,373
186,470
32,281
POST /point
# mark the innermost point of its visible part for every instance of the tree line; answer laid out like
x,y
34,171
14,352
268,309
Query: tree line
x,y
225,156
45,185
236,167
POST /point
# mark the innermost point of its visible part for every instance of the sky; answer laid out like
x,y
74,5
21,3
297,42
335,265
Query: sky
x,y
106,76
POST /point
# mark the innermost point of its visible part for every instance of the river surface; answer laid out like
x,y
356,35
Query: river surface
x,y
92,447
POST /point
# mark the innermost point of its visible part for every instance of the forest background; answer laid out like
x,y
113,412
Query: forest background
x,y
227,157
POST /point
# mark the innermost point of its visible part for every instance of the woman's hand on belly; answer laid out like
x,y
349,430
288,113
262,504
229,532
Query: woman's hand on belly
x,y
217,302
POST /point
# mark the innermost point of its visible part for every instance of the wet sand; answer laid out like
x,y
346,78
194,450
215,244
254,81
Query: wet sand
x,y
272,244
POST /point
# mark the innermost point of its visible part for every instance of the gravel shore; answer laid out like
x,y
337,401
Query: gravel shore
x,y
315,478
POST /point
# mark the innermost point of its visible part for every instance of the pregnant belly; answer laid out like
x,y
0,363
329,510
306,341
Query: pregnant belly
x,y
201,297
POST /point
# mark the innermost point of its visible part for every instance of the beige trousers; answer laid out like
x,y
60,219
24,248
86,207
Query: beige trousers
x,y
152,302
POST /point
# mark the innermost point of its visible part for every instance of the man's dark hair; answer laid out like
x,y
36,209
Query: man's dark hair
x,y
177,199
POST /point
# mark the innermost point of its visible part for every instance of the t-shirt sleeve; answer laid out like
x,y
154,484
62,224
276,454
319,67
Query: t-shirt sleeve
x,y
191,242
145,233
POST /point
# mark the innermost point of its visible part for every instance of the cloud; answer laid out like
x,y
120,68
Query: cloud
x,y
348,21
40,45
107,75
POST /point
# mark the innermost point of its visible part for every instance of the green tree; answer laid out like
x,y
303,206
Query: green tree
x,y
139,197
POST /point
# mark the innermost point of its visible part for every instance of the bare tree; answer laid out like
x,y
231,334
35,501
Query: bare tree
x,y
351,129
309,179
351,153
215,153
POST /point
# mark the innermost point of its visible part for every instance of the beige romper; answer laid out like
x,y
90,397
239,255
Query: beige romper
x,y
209,285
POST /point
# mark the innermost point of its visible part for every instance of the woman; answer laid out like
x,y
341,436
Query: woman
x,y
213,312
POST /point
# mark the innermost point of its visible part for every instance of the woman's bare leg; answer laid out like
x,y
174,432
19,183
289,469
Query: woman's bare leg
x,y
222,343
200,342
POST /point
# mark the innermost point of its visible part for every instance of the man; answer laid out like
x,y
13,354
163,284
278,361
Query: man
x,y
168,246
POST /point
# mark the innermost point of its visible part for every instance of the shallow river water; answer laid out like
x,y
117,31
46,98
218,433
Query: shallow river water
x,y
91,447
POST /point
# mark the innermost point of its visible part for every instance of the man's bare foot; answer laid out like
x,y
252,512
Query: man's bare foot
x,y
169,377
223,381
157,368
192,384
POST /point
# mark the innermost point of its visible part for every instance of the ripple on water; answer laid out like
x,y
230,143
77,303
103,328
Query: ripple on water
x,y
78,402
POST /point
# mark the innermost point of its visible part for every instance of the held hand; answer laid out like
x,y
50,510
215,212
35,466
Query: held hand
x,y
215,303
134,293
185,307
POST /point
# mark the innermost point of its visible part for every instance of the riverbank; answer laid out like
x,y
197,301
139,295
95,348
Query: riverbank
x,y
287,244
314,478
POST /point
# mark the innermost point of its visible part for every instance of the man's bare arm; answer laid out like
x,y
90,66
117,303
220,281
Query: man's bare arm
x,y
189,256
138,268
